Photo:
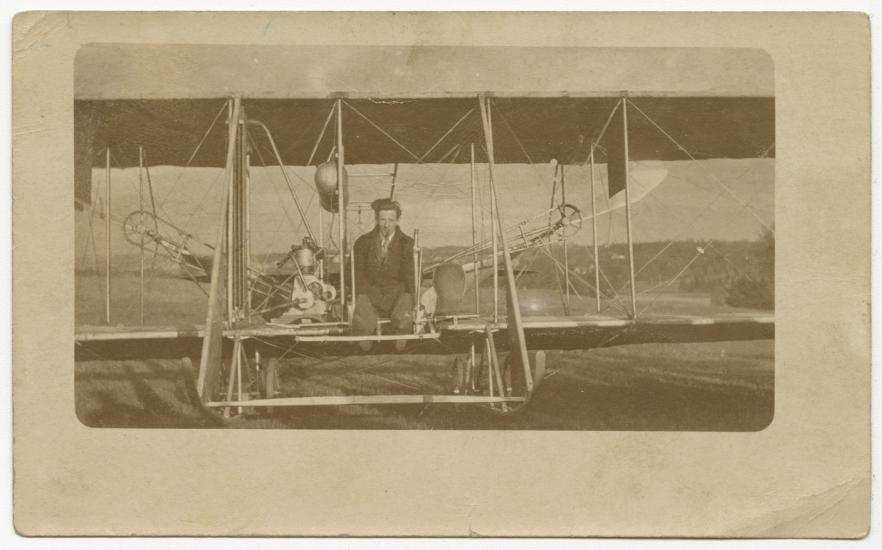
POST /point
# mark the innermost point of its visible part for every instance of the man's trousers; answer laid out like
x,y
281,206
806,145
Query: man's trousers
x,y
383,302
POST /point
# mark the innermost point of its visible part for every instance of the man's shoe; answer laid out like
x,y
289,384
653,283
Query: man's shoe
x,y
365,345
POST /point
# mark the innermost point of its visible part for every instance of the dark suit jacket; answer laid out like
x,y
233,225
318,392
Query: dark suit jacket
x,y
395,270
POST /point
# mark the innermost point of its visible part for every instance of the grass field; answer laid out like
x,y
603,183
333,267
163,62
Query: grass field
x,y
719,386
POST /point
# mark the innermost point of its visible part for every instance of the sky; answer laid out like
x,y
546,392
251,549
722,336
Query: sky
x,y
135,71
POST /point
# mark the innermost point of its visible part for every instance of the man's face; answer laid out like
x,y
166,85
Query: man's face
x,y
387,221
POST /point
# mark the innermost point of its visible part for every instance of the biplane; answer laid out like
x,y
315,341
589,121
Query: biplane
x,y
255,315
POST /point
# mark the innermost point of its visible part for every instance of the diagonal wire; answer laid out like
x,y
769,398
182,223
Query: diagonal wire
x,y
705,209
281,202
382,131
521,145
677,276
447,133
560,289
321,135
193,155
562,269
705,168
596,143
201,204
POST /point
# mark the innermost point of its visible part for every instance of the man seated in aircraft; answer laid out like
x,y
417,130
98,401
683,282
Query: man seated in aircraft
x,y
384,276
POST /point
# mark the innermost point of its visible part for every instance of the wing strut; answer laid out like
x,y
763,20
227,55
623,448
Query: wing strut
x,y
474,229
107,234
594,228
628,208
341,208
212,342
618,169
515,326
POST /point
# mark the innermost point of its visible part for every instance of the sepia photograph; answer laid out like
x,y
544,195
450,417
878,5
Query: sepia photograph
x,y
400,274
424,237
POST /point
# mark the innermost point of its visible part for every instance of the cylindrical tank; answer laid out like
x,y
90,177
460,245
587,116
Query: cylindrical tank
x,y
326,185
305,258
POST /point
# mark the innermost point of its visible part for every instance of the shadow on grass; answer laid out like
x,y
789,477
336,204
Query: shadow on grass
x,y
143,394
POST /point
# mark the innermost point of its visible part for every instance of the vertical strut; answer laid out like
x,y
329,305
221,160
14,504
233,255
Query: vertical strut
x,y
471,368
107,229
493,216
231,381
239,359
141,208
394,181
566,251
321,236
628,210
417,274
474,229
594,232
241,208
247,262
232,124
352,270
341,209
321,231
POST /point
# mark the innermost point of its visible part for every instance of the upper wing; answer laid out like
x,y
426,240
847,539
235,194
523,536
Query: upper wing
x,y
718,104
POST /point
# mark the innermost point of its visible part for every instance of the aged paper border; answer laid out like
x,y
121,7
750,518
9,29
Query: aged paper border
x,y
805,475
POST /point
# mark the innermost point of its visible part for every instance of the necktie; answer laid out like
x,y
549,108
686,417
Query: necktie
x,y
384,246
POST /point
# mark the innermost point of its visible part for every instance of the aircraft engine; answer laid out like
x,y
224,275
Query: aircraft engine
x,y
310,297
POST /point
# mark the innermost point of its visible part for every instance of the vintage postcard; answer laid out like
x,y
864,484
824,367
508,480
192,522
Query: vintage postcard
x,y
441,274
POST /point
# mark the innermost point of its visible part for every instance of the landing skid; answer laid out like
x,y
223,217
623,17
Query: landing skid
x,y
254,383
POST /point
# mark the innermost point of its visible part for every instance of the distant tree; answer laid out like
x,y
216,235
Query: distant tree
x,y
755,288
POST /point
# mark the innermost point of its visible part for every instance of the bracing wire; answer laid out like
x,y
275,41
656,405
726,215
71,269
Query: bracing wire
x,y
193,154
709,172
384,132
674,279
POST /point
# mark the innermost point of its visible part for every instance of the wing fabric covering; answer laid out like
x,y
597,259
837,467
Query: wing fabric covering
x,y
528,129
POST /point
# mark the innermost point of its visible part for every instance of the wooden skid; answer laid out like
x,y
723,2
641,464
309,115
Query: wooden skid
x,y
101,333
337,400
371,338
